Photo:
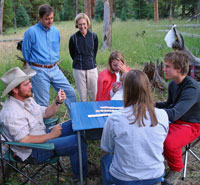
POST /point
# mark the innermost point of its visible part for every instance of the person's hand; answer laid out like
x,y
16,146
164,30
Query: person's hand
x,y
116,86
122,67
60,98
56,131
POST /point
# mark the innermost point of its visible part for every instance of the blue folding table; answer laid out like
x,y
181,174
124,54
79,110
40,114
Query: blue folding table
x,y
81,121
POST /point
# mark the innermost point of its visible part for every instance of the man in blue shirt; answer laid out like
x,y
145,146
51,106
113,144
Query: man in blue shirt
x,y
41,46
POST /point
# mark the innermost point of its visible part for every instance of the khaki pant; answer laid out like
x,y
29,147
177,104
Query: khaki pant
x,y
86,83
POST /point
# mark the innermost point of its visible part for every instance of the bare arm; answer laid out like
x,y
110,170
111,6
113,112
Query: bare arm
x,y
53,108
56,132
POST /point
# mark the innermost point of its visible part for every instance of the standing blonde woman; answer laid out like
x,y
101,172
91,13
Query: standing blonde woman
x,y
83,46
134,137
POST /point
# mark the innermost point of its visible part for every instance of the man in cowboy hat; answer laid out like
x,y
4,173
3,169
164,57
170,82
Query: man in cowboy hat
x,y
22,121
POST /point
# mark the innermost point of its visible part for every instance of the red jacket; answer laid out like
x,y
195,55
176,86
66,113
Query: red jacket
x,y
104,85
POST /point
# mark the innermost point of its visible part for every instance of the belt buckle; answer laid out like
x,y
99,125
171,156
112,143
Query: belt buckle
x,y
43,65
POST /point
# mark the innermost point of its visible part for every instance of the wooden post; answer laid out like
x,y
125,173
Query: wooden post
x,y
1,17
156,15
107,24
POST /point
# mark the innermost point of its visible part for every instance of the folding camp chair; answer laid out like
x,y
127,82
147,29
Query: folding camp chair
x,y
9,159
188,149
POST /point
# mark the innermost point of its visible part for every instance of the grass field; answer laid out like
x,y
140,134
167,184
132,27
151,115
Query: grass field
x,y
127,37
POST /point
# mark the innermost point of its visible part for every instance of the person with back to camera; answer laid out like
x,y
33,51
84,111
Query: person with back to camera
x,y
83,46
182,107
134,137
109,79
40,48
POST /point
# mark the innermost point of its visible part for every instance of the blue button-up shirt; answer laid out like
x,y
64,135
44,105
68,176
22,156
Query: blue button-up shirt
x,y
41,45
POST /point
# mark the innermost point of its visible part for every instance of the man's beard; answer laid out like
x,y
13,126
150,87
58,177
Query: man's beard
x,y
27,95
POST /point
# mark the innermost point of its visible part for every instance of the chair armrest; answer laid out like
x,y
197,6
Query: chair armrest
x,y
51,121
44,146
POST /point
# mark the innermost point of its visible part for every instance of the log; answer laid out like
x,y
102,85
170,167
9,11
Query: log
x,y
183,33
11,40
155,74
177,25
193,17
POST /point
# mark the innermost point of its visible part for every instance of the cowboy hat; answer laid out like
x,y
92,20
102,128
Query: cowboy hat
x,y
14,77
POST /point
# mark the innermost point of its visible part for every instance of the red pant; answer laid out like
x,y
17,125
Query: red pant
x,y
180,134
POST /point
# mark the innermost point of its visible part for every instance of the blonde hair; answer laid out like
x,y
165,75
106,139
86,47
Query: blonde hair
x,y
138,93
82,16
115,55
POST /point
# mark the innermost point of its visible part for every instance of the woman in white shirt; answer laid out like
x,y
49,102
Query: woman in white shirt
x,y
134,136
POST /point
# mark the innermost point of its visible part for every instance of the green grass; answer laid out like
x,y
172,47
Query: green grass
x,y
126,37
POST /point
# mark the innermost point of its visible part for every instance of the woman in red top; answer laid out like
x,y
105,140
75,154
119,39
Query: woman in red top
x,y
106,80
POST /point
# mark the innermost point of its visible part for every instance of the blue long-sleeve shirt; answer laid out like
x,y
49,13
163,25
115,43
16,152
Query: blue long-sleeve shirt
x,y
183,101
40,45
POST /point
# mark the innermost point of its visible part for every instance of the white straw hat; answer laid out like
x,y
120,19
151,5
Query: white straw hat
x,y
14,77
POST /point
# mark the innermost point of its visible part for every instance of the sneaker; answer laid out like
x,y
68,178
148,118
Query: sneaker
x,y
172,178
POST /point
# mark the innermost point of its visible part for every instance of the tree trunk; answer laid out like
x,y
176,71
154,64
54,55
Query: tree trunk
x,y
76,7
107,24
183,11
1,16
156,15
93,3
171,10
87,8
14,8
198,9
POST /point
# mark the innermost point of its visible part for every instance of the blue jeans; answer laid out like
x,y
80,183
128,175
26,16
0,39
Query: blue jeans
x,y
65,145
51,76
109,179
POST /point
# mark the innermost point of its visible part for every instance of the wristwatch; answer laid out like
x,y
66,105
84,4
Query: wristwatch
x,y
57,103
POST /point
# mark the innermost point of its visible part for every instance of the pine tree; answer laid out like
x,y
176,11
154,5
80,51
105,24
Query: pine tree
x,y
99,9
123,15
140,9
8,15
67,12
22,17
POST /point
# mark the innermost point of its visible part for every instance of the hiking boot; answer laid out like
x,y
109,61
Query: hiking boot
x,y
172,178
